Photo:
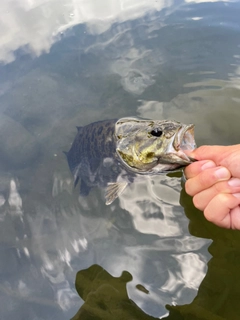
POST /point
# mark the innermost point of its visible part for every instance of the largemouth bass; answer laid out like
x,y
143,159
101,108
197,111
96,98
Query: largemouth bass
x,y
112,153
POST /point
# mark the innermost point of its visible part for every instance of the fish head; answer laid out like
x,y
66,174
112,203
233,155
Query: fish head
x,y
153,146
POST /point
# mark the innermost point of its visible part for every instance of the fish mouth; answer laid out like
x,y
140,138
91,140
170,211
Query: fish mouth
x,y
175,155
184,141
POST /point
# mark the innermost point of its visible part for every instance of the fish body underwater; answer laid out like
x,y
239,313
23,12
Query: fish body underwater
x,y
110,154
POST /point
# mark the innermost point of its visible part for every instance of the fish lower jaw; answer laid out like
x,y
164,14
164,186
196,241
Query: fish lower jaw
x,y
183,157
163,167
174,160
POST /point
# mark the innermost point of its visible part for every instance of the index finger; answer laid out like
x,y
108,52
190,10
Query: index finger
x,y
206,179
215,153
195,168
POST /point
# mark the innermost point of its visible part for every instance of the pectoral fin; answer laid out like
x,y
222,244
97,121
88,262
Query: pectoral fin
x,y
113,190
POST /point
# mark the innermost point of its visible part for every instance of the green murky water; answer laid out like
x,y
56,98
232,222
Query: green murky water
x,y
150,254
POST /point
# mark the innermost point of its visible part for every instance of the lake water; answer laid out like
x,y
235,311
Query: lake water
x,y
69,63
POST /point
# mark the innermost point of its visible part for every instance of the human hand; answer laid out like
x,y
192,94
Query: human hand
x,y
214,183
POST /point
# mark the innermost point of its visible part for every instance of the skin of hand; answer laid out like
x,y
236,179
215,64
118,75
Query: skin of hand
x,y
214,183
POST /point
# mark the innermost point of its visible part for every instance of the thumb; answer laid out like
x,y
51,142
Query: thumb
x,y
207,153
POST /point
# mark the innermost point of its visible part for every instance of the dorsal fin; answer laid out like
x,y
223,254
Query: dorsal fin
x,y
79,129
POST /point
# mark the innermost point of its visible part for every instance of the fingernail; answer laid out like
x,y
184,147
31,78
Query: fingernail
x,y
222,173
234,182
209,164
236,195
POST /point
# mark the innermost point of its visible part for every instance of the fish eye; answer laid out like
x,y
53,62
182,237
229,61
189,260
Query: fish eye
x,y
156,132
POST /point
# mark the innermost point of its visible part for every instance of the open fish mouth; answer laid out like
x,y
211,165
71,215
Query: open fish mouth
x,y
184,140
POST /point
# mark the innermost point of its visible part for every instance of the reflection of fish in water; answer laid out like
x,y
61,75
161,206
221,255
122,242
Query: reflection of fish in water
x,y
111,153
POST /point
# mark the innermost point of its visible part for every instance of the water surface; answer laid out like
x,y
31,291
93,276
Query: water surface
x,y
65,64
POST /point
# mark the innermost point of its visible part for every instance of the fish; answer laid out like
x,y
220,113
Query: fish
x,y
111,154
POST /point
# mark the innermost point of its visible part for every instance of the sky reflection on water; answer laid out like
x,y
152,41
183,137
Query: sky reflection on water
x,y
65,64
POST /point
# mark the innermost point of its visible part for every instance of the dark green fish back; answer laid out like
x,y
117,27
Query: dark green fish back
x,y
91,144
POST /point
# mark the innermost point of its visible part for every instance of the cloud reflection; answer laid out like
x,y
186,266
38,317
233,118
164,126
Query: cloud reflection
x,y
151,205
15,200
153,248
35,25
192,268
200,1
